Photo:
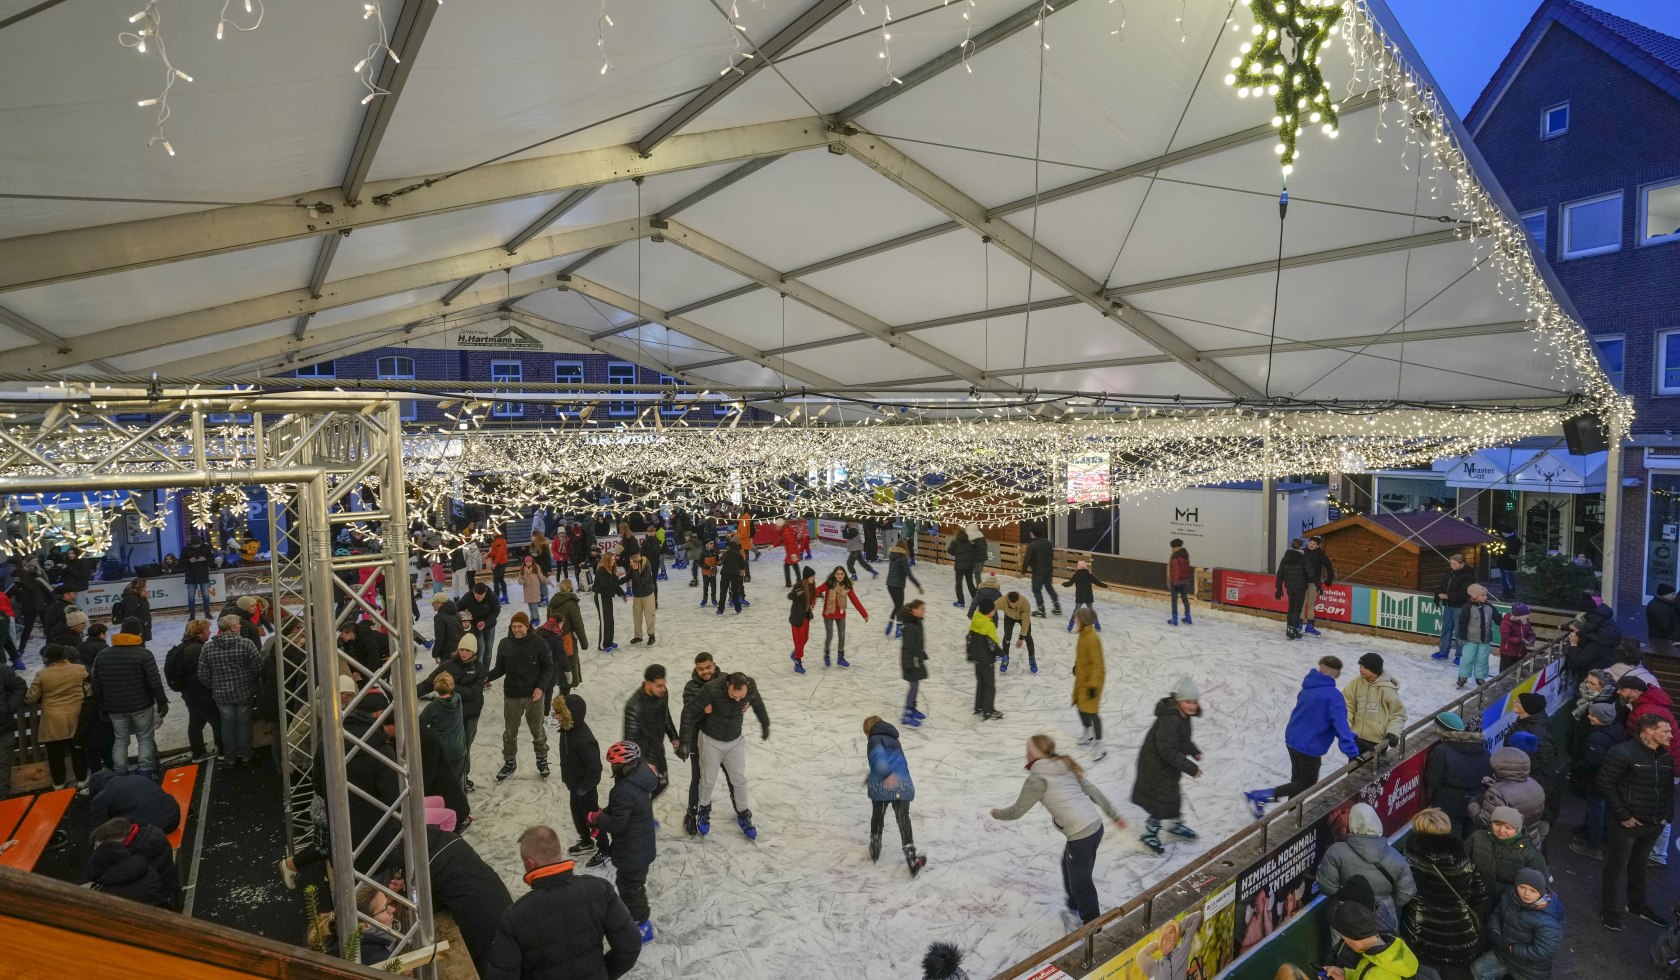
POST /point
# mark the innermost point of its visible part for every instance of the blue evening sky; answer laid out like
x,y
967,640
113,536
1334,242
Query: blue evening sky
x,y
1463,41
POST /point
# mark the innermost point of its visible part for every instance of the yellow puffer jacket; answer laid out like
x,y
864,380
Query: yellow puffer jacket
x,y
1089,672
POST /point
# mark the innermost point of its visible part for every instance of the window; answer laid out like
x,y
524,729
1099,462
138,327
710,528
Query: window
x,y
568,373
1534,222
1592,227
1554,121
507,372
673,409
1659,213
1668,363
398,368
320,369
621,374
1610,357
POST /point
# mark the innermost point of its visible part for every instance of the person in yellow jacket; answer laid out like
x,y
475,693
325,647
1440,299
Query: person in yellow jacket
x,y
1375,711
1089,674
1365,953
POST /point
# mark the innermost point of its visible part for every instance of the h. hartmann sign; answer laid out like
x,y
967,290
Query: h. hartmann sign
x,y
503,336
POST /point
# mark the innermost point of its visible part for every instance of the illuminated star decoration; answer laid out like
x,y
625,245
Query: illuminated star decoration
x,y
1283,61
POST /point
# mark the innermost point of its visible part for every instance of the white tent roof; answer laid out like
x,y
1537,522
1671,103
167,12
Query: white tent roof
x,y
811,222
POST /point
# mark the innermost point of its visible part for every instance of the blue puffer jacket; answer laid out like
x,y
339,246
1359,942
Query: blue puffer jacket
x,y
886,758
1526,939
1320,718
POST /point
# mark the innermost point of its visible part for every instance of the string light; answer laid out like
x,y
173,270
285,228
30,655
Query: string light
x,y
1120,31
886,47
601,24
1283,61
148,23
368,68
967,46
739,55
251,6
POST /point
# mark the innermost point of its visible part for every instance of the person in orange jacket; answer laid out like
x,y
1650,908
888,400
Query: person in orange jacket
x,y
788,534
498,565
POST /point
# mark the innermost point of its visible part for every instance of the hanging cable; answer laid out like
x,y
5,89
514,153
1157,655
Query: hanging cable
x,y
1277,285
1038,190
1406,277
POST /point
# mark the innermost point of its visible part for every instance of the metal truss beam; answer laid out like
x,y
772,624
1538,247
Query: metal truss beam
x,y
930,187
570,334
391,337
200,324
1270,266
560,209
766,52
48,340
33,260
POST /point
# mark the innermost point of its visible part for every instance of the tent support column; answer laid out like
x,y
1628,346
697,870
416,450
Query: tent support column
x,y
1612,511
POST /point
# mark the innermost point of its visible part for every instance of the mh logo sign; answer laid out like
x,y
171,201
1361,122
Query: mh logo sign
x,y
1192,516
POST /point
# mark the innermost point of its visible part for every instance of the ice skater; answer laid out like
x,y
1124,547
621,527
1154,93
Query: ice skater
x,y
707,568
1039,560
1292,579
1077,809
712,727
835,592
606,588
705,668
1320,719
523,658
643,579
855,556
1089,675
1321,574
966,553
803,597
1081,582
1475,636
1181,580
628,818
1018,612
1167,754
580,771
983,651
735,576
889,784
788,536
912,657
692,549
647,722
898,573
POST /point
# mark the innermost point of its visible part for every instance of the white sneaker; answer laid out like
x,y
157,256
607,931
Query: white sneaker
x,y
1088,740
1098,753
1070,920
288,875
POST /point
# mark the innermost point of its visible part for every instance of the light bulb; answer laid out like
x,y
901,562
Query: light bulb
x,y
1236,62
1288,169
359,66
1230,79
1278,149
169,148
219,30
146,102
368,97
1277,121
141,47
608,19
183,75
136,18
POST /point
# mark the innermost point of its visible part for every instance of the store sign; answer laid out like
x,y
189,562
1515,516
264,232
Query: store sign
x,y
497,336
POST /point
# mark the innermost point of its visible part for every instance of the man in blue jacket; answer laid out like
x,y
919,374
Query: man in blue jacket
x,y
1319,719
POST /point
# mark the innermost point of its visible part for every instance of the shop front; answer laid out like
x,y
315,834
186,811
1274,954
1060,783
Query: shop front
x,y
1553,499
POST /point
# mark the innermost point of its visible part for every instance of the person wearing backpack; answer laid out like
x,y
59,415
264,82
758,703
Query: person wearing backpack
x,y
135,603
180,672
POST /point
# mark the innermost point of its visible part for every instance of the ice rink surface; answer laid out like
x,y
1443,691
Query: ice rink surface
x,y
804,900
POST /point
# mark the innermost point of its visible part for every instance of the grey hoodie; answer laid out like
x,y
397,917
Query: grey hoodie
x,y
1510,785
1367,854
1073,803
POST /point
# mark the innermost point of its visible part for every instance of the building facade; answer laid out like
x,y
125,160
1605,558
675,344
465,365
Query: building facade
x,y
1581,126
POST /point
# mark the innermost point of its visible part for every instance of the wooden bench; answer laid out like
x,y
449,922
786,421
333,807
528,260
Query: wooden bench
x,y
36,830
11,814
179,783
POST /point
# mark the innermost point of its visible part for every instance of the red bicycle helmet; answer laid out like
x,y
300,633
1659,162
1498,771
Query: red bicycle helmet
x,y
623,753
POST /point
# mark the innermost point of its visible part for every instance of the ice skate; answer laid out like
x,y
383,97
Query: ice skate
x,y
1003,668
919,715
1461,681
958,604
874,847
720,609
889,630
691,822
1038,613
1258,798
744,602
991,716
1098,625
600,858
1311,630
910,719
827,662
694,585
1056,609
507,770
1437,655
1291,633
1187,620
744,818
898,631
703,820
662,576
609,648
635,640
646,929
1173,621
915,861
799,666
1177,829
542,768
841,661
704,603
1070,624
1152,840
1032,665
470,784
1087,739
1098,753
650,639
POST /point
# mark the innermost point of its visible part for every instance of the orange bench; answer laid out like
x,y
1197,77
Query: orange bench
x,y
179,783
37,829
11,814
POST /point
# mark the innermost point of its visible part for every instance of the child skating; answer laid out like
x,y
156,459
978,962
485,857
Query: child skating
x,y
1167,754
912,657
629,819
803,597
889,785
1181,580
835,592
1082,582
708,569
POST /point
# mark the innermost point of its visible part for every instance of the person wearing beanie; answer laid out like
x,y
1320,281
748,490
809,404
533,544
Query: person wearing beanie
x,y
1511,784
1375,712
1637,780
524,659
1444,924
1318,721
1038,560
1181,580
1367,950
967,554
1501,850
1082,582
1167,754
1292,578
470,674
1545,760
1525,931
1090,672
1604,733
1516,636
983,649
1321,574
1476,622
1367,855
52,618
1662,620
566,635
1453,592
128,688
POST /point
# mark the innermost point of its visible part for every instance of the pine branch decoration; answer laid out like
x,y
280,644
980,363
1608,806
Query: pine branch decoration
x,y
1283,61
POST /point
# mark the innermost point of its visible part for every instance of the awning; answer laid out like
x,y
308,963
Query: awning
x,y
1545,470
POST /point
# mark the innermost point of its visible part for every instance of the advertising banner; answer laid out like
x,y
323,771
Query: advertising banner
x,y
1499,716
164,593
1391,609
1254,590
829,529
1088,479
1279,885
1400,795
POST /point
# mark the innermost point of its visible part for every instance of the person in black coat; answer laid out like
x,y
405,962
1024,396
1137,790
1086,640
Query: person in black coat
x,y
1637,780
135,603
1595,643
1662,620
705,668
480,603
1454,771
647,722
1292,579
1443,924
133,798
629,819
580,770
376,778
470,889
1167,754
912,659
446,627
965,564
52,618
180,672
33,595
1039,562
471,674
360,640
606,587
1454,594
530,945
133,861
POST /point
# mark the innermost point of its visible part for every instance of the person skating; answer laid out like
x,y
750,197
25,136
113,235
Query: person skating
x,y
965,563
1475,629
1018,612
606,588
1443,924
643,580
470,675
567,635
533,585
898,573
1038,560
708,568
1321,574
711,728
1077,809
1524,933
1375,712
803,598
912,658
498,565
705,668
628,818
1637,781
1292,579
527,944
1167,754
1089,674
733,566
692,549
853,536
580,769
483,610
1454,594
889,784
1082,581
647,722
1319,720
836,591
983,650
1367,854
1181,581
523,658
788,537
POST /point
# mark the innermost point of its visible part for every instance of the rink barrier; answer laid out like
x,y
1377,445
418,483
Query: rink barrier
x,y
1201,884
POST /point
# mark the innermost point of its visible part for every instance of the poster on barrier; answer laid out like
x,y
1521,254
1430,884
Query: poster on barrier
x,y
1165,954
1279,885
1500,715
829,529
1048,971
1214,943
1254,590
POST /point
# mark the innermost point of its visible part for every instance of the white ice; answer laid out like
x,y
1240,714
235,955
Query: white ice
x,y
804,900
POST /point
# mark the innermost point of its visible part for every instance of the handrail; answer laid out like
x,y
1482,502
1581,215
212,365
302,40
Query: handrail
x,y
1086,935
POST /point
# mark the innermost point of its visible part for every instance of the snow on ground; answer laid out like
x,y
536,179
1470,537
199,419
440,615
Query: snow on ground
x,y
805,899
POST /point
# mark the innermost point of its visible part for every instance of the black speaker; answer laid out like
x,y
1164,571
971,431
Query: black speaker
x,y
1584,435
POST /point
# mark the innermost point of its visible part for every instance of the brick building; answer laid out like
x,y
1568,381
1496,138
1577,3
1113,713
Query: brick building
x,y
1581,125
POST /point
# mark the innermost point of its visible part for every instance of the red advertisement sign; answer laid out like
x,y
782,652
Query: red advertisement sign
x,y
1257,591
1402,793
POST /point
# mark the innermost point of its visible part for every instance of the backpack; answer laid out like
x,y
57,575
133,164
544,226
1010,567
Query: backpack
x,y
174,670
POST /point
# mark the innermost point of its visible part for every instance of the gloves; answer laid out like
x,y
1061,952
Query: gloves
x,y
162,710
1393,740
593,816
766,736
682,751
1278,594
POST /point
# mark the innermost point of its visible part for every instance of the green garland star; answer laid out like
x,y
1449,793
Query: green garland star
x,y
1289,72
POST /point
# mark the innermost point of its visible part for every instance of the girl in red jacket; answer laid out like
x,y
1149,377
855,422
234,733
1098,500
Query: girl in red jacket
x,y
834,594
1181,580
